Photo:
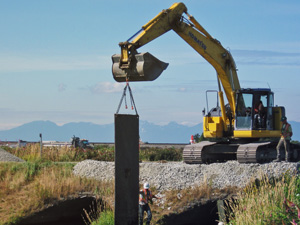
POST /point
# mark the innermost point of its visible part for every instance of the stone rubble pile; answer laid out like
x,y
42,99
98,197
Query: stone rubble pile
x,y
7,157
178,175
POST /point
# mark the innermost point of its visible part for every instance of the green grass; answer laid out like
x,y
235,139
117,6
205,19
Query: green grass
x,y
105,218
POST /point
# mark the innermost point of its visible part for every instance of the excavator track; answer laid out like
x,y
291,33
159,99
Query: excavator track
x,y
192,154
212,152
256,152
209,152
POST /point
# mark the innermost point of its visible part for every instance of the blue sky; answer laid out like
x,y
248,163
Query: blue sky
x,y
55,58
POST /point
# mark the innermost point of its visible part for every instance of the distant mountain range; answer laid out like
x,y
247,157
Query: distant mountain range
x,y
149,132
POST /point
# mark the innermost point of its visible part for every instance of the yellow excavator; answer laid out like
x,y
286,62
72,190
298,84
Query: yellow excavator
x,y
235,129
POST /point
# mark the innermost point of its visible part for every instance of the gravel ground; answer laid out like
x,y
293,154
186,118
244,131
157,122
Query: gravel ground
x,y
178,175
7,157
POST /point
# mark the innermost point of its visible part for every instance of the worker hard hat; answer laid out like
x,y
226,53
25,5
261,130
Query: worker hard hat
x,y
146,185
283,118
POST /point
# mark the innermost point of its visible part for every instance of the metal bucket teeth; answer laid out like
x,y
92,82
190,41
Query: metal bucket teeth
x,y
145,67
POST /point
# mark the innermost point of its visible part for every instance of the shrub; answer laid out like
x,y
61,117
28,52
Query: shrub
x,y
158,154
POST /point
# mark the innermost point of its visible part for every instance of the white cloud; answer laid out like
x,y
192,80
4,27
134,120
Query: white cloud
x,y
107,87
266,58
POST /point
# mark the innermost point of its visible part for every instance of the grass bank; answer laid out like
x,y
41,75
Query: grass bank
x,y
28,187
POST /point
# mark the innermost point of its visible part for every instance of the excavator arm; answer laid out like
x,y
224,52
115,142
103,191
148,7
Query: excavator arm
x,y
141,67
132,66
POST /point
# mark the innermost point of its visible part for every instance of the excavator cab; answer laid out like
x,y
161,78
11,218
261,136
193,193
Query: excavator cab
x,y
254,109
256,115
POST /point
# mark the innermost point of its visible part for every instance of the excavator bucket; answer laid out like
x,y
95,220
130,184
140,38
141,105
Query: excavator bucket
x,y
144,67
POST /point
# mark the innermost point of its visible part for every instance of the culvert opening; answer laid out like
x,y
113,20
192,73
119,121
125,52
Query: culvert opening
x,y
204,214
68,212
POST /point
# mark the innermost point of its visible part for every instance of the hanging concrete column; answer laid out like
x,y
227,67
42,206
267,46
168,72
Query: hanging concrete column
x,y
126,169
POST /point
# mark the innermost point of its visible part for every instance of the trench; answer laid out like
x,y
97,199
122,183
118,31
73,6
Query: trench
x,y
68,212
201,214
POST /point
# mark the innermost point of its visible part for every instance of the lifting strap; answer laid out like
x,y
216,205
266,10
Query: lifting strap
x,y
124,98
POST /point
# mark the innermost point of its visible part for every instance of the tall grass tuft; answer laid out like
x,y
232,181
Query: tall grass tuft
x,y
270,201
106,218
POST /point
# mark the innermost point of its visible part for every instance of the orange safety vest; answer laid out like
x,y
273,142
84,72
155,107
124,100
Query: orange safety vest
x,y
145,196
286,131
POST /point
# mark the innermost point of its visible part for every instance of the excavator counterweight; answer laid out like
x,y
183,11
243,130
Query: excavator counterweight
x,y
143,67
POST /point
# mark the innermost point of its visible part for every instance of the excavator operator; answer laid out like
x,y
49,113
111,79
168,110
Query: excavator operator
x,y
259,115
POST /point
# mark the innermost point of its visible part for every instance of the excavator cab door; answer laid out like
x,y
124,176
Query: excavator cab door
x,y
243,119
